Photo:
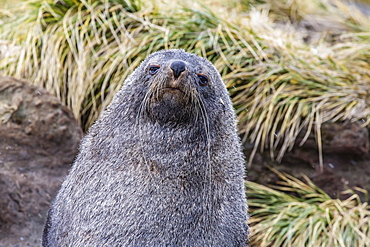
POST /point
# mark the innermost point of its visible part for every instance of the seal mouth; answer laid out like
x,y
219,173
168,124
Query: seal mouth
x,y
173,89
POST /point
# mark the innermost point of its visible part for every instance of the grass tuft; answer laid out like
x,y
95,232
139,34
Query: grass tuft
x,y
295,213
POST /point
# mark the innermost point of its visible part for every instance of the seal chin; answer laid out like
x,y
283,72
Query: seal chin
x,y
172,108
170,103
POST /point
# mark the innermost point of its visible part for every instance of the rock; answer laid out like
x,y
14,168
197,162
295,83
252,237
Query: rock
x,y
344,138
39,139
349,140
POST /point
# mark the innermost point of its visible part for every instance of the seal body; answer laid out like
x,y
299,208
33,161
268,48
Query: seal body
x,y
163,165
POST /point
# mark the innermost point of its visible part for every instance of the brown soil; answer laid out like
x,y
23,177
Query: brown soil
x,y
39,138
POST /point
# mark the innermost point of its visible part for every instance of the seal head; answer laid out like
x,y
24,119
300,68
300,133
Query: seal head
x,y
177,88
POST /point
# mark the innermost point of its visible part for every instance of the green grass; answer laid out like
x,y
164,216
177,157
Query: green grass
x,y
281,85
297,213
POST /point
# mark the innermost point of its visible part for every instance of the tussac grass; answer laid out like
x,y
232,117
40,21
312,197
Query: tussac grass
x,y
297,213
282,81
280,85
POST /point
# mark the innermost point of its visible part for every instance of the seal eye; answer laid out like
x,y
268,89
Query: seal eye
x,y
153,69
203,80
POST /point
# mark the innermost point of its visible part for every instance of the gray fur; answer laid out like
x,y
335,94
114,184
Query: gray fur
x,y
157,169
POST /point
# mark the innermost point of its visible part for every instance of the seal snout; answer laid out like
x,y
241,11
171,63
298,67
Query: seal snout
x,y
177,68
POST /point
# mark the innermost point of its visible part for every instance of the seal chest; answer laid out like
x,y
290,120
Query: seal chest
x,y
163,165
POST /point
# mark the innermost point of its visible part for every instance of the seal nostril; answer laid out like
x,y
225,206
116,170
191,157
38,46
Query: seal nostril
x,y
177,67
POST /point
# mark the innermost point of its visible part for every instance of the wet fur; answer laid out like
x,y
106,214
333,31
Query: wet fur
x,y
157,169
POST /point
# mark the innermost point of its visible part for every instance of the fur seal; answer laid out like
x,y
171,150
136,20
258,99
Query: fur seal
x,y
163,166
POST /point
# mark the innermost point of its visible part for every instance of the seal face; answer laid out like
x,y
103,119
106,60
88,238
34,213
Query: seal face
x,y
177,89
162,166
170,92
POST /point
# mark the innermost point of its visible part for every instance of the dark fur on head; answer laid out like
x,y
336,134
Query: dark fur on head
x,y
162,166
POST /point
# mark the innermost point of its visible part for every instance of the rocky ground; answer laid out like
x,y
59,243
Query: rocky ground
x,y
39,139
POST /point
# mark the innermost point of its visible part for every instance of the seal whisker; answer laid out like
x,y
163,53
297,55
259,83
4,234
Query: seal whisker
x,y
144,104
158,84
205,120
206,125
